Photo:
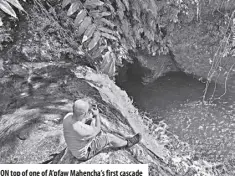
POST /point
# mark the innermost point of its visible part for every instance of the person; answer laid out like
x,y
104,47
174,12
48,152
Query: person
x,y
83,134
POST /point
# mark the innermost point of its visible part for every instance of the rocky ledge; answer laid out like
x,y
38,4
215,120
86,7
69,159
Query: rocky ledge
x,y
32,113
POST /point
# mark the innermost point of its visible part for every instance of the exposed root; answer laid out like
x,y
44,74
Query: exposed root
x,y
212,96
205,92
216,62
225,83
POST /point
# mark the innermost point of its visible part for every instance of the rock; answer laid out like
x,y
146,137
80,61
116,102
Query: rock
x,y
23,135
155,66
18,70
146,68
195,46
41,141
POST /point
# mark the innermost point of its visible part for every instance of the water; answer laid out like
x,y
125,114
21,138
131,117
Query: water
x,y
177,100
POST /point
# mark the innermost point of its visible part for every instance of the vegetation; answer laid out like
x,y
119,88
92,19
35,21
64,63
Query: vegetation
x,y
124,25
93,30
5,5
101,28
223,56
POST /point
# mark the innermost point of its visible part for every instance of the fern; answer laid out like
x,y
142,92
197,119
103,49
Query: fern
x,y
89,32
122,24
107,15
5,5
75,6
94,40
94,22
80,17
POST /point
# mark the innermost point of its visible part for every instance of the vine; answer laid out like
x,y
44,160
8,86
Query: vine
x,y
225,48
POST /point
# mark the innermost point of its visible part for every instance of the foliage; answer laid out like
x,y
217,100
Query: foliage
x,y
138,24
5,29
5,37
5,5
118,26
96,28
223,61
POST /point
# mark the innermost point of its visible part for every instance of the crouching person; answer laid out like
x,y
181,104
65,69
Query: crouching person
x,y
83,135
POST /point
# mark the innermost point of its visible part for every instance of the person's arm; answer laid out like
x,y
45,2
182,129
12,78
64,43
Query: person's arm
x,y
96,117
85,131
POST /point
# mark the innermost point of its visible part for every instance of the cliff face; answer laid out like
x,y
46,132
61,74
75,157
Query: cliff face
x,y
200,41
155,66
200,48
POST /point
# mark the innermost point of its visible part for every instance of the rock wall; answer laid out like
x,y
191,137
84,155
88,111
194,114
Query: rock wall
x,y
201,46
146,68
200,43
157,65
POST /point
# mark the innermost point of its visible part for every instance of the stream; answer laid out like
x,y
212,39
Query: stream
x,y
176,98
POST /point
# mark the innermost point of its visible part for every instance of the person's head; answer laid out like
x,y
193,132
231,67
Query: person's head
x,y
80,109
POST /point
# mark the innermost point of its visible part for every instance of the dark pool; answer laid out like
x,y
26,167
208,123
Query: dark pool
x,y
177,99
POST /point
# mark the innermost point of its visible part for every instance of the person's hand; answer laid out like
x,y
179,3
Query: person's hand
x,y
95,111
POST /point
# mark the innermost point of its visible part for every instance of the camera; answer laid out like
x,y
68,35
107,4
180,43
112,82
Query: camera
x,y
94,107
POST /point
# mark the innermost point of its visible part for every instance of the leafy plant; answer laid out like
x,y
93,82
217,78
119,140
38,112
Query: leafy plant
x,y
123,23
5,5
5,37
97,28
94,22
